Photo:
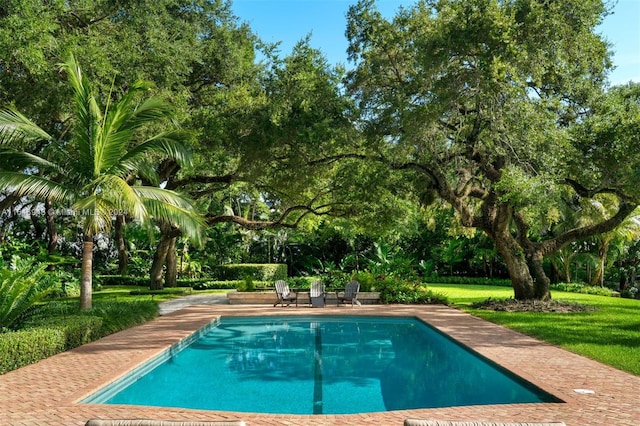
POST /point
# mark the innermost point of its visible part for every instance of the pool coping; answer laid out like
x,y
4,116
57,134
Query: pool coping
x,y
49,391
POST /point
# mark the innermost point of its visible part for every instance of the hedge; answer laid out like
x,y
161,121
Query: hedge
x,y
226,285
258,271
24,347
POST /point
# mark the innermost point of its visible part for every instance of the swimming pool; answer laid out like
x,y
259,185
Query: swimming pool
x,y
319,365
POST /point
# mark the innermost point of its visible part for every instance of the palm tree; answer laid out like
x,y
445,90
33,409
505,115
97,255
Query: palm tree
x,y
93,169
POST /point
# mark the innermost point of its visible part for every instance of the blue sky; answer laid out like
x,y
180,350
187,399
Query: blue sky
x,y
288,21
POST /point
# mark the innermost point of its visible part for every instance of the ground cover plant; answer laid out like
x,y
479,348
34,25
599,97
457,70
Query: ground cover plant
x,y
609,333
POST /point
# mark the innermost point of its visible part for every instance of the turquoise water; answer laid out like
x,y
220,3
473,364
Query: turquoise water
x,y
320,365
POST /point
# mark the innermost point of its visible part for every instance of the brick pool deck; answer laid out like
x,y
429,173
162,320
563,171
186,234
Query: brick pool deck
x,y
47,393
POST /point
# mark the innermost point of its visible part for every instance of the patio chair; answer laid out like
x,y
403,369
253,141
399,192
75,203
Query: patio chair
x,y
350,294
284,294
317,294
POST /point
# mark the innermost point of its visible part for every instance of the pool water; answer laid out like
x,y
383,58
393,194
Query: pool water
x,y
319,365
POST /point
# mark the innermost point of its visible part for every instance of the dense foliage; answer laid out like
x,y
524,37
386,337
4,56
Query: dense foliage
x,y
60,326
472,138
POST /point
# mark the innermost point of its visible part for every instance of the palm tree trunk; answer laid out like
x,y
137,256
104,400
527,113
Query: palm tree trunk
x,y
52,232
86,280
123,258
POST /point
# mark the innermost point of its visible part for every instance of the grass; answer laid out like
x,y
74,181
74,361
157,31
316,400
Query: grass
x,y
610,334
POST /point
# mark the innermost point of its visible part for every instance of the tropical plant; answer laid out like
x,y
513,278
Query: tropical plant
x,y
94,168
21,287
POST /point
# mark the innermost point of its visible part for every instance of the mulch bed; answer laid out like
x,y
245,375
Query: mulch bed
x,y
512,305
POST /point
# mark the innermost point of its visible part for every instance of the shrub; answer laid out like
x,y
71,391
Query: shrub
x,y
218,285
260,272
247,284
582,288
394,290
77,329
39,341
68,285
631,293
24,347
300,282
59,326
367,281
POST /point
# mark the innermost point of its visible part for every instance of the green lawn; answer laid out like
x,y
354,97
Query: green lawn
x,y
610,334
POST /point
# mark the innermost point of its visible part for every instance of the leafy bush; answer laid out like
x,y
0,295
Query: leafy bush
x,y
40,341
247,284
300,282
632,292
367,281
218,285
22,286
259,272
77,329
68,285
582,288
24,347
394,290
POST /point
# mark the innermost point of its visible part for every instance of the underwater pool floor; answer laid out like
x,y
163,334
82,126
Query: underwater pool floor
x,y
48,393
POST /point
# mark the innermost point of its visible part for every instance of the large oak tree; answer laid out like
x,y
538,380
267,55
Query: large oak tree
x,y
497,107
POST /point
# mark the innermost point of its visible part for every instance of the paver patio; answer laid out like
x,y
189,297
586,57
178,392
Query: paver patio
x,y
47,393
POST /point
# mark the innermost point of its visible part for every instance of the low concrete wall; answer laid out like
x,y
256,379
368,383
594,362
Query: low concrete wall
x,y
269,297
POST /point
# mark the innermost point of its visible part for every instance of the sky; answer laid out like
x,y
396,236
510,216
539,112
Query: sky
x,y
289,21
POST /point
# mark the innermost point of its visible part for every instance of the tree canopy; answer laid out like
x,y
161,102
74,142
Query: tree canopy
x,y
499,108
487,104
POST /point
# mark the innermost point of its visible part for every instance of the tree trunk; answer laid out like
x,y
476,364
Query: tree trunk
x,y
541,282
37,227
517,267
167,234
603,249
159,259
171,275
52,232
123,257
86,280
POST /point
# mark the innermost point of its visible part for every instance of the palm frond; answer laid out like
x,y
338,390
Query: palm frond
x,y
33,186
186,219
95,212
124,109
87,112
170,144
152,109
122,197
18,160
110,148
15,128
164,196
